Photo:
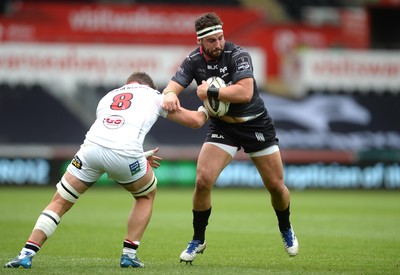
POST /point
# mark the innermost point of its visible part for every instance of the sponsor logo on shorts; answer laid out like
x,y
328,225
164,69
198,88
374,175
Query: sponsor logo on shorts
x,y
113,121
217,136
76,161
134,167
259,136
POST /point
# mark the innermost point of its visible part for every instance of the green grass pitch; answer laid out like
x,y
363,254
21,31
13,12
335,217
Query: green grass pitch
x,y
340,232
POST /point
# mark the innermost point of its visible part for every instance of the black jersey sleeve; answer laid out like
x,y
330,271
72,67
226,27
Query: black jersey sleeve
x,y
185,73
241,65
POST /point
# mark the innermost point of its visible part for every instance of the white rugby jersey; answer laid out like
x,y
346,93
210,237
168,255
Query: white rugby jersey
x,y
124,116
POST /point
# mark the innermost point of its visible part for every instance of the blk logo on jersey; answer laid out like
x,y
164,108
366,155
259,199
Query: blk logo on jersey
x,y
113,121
212,67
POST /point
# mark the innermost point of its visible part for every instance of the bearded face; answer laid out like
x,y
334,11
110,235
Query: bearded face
x,y
213,53
213,45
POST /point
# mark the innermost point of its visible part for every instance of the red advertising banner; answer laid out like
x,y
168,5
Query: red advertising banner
x,y
141,24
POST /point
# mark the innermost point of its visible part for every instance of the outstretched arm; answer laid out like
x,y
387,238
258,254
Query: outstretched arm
x,y
188,118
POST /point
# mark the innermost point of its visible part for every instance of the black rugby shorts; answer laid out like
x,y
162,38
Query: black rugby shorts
x,y
253,136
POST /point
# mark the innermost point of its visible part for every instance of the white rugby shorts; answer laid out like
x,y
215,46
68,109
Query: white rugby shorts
x,y
92,160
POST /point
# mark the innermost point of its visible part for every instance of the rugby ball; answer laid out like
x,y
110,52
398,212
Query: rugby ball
x,y
216,107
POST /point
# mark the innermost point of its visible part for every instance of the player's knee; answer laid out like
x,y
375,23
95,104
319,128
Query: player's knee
x,y
204,182
147,189
67,191
276,186
47,222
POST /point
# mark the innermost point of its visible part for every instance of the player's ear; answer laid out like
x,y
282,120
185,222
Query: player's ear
x,y
198,41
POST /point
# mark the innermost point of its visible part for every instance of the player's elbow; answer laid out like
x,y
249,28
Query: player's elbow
x,y
245,90
244,96
247,98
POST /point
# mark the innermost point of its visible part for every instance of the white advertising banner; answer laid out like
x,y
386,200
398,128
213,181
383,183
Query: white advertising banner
x,y
68,65
343,70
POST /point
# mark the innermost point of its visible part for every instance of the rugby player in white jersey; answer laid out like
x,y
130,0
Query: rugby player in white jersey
x,y
114,145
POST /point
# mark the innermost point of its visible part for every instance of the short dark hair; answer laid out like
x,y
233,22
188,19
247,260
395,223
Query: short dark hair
x,y
207,20
141,78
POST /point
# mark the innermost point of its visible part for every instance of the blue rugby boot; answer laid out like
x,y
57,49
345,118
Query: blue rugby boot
x,y
127,261
22,260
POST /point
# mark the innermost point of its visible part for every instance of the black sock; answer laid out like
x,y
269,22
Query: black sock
x,y
283,219
200,222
